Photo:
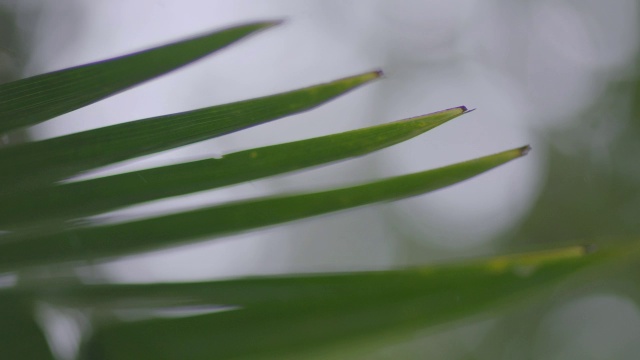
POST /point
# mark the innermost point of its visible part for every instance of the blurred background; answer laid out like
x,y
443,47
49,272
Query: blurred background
x,y
559,75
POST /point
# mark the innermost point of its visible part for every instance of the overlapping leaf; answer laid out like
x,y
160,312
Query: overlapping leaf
x,y
39,98
37,164
70,200
288,317
277,317
124,238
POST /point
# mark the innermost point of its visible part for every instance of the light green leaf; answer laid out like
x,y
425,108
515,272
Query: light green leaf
x,y
91,197
37,164
125,238
39,98
293,317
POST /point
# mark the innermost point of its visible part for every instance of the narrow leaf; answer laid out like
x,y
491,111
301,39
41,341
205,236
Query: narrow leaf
x,y
37,164
39,98
125,238
293,317
103,194
260,290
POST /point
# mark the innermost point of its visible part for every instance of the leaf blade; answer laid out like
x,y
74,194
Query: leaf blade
x,y
32,165
69,201
33,100
361,308
142,235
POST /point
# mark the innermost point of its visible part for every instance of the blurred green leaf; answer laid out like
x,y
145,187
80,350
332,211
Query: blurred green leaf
x,y
260,290
274,317
67,201
39,98
288,317
36,164
20,335
124,238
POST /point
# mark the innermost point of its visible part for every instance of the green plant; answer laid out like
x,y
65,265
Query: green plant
x,y
266,317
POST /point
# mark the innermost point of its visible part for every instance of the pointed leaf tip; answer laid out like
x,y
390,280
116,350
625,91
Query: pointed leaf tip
x,y
446,114
524,150
354,81
264,25
274,22
371,75
462,109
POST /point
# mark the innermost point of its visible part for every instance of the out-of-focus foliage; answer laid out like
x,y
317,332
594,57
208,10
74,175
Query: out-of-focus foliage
x,y
33,170
589,195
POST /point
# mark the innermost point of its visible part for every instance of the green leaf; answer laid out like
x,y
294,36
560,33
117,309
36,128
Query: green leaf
x,y
260,290
37,164
33,100
295,316
125,238
69,201
20,335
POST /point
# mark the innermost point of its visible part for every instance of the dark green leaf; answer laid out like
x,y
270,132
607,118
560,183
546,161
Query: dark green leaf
x,y
125,238
99,195
260,290
20,335
291,317
39,98
39,163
